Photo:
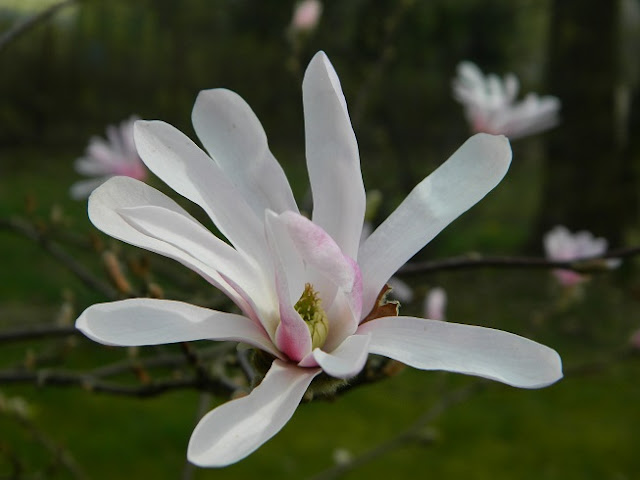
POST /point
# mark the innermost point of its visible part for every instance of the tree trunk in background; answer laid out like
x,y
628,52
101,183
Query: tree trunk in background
x,y
589,181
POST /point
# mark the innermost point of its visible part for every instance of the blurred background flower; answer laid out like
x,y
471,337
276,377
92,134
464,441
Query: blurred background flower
x,y
490,104
105,158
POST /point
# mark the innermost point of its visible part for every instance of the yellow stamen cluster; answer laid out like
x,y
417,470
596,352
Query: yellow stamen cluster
x,y
310,309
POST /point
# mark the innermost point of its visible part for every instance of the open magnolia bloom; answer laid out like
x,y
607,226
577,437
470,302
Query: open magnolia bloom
x,y
105,158
490,104
304,286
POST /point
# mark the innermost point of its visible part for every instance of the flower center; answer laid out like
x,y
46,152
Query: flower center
x,y
310,309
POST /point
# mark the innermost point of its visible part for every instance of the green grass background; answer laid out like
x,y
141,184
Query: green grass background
x,y
584,427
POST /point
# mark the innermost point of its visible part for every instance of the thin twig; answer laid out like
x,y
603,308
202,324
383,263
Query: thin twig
x,y
60,455
412,433
71,379
592,264
20,28
29,231
39,331
387,54
204,404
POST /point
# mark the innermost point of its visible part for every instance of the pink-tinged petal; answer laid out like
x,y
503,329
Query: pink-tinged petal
x,y
123,192
198,242
469,174
235,139
183,166
239,427
147,321
321,252
332,157
347,360
292,333
468,349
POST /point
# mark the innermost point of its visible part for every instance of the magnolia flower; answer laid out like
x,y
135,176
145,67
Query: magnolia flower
x,y
490,104
435,304
306,15
307,289
104,159
561,244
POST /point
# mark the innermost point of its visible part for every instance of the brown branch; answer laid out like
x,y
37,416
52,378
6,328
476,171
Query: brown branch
x,y
593,264
71,379
20,28
31,232
40,331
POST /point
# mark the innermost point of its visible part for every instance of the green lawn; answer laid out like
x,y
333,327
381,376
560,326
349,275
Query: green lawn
x,y
582,428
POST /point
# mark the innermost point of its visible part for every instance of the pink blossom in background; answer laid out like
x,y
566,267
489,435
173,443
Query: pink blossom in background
x,y
306,15
561,244
435,304
305,287
490,104
634,340
105,158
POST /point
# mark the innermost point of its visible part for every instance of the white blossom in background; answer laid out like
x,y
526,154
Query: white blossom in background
x,y
435,304
490,104
105,158
306,16
561,244
307,289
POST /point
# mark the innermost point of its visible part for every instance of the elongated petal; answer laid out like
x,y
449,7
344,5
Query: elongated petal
x,y
147,321
326,263
332,157
234,430
469,174
347,360
292,334
181,164
321,252
485,352
123,192
198,242
235,139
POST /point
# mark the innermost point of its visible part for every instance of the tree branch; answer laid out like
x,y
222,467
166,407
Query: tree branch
x,y
20,28
412,433
593,264
31,232
39,331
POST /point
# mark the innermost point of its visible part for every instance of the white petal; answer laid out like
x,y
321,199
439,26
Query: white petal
x,y
123,192
485,352
292,334
196,241
347,360
332,157
147,321
235,139
181,164
234,430
469,174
